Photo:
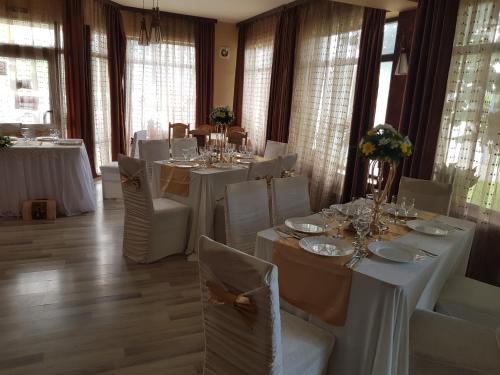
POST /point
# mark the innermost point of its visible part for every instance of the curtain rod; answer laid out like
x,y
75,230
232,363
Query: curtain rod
x,y
170,14
270,12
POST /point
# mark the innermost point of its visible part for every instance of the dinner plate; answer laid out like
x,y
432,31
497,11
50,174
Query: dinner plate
x,y
184,164
326,246
427,227
397,252
304,225
225,166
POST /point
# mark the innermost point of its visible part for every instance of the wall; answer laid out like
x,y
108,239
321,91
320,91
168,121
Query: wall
x,y
226,35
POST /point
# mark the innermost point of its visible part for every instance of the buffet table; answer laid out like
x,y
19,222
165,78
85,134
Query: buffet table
x,y
44,170
375,336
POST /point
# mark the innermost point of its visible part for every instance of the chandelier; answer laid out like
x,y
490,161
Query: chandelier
x,y
154,34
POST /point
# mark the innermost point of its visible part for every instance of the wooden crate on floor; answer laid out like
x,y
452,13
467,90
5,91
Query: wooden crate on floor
x,y
39,209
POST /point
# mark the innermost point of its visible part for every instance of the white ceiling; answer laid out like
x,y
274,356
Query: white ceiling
x,y
239,10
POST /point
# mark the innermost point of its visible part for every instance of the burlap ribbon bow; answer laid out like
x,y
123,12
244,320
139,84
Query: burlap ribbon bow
x,y
131,181
219,295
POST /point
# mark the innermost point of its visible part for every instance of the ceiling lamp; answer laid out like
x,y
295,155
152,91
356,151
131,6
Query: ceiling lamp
x,y
155,30
143,32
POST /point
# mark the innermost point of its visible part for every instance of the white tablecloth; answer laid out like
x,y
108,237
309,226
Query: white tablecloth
x,y
206,187
46,171
383,296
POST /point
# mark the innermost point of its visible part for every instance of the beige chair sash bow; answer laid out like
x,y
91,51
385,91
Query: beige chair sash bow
x,y
219,295
131,181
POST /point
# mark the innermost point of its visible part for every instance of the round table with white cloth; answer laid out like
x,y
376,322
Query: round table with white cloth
x,y
46,171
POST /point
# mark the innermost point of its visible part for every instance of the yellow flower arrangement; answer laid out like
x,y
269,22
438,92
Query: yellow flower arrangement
x,y
367,148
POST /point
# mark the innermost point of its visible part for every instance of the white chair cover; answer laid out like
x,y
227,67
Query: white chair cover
x,y
288,162
264,169
178,144
153,150
471,300
111,184
246,213
140,135
290,198
153,228
429,195
443,345
275,343
274,149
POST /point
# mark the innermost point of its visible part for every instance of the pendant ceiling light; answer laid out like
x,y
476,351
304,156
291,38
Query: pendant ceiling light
x,y
143,32
155,30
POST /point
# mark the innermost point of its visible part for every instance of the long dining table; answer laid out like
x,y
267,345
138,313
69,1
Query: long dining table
x,y
206,192
375,336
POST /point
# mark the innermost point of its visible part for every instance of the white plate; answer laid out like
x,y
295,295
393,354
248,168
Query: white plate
x,y
427,227
244,161
326,246
396,252
184,164
305,225
224,166
247,157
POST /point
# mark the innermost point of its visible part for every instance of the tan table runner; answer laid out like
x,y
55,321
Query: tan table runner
x,y
321,285
175,180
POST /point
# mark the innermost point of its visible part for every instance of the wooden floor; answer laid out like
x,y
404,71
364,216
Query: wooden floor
x,y
71,304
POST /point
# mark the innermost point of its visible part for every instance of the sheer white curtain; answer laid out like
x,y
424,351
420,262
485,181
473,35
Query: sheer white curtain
x,y
95,18
160,79
468,153
324,81
259,45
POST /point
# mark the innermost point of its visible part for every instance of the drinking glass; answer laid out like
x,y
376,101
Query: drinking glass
x,y
362,225
410,204
339,219
25,132
401,209
327,215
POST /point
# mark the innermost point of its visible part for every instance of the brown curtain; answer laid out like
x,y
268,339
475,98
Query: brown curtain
x,y
117,44
239,75
280,95
205,41
426,84
365,99
77,73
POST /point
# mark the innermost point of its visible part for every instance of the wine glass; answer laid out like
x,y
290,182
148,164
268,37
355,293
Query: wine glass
x,y
362,224
327,215
402,208
25,132
339,219
410,204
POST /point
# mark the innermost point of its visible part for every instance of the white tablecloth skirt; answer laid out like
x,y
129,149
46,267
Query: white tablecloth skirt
x,y
206,189
49,171
384,294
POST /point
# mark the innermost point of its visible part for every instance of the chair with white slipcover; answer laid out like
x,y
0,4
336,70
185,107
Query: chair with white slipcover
x,y
153,228
288,163
289,198
110,173
445,345
274,149
429,195
178,145
153,150
246,208
246,333
266,169
471,300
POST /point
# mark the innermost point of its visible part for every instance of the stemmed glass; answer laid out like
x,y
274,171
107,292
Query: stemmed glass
x,y
339,219
327,215
25,132
362,224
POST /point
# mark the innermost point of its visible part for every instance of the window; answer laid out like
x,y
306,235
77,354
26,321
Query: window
x,y
29,65
161,86
387,61
259,46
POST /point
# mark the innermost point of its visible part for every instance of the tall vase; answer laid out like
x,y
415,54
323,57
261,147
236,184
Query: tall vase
x,y
381,189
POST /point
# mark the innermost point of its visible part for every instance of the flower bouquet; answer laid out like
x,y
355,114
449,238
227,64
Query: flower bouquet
x,y
5,142
385,147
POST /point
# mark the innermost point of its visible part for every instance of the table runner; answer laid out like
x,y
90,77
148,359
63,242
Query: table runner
x,y
175,180
303,276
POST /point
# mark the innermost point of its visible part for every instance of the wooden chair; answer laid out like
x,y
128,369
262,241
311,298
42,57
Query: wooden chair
x,y
177,130
203,134
237,138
